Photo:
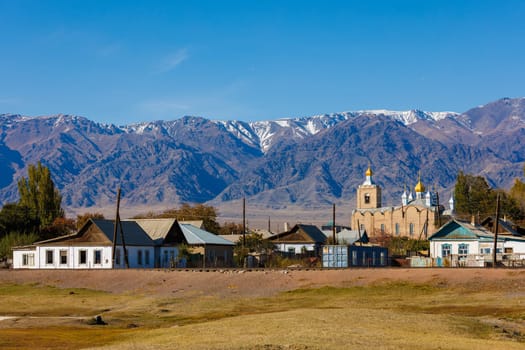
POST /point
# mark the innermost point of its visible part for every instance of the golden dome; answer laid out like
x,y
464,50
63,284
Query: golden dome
x,y
419,186
368,171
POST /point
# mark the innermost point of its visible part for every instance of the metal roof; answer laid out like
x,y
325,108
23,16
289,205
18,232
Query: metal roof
x,y
195,235
133,233
312,231
455,229
348,236
156,229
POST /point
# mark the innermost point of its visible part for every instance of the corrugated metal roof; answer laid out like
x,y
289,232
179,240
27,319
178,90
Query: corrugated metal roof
x,y
348,236
195,235
157,229
133,233
466,231
314,232
196,223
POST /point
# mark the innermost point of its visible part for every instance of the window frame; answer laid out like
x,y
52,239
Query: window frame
x,y
50,256
28,259
82,257
446,247
97,257
463,249
63,257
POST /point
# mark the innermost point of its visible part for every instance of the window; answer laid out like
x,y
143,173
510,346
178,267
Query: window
x,y
63,257
485,250
411,229
383,228
139,257
82,257
354,257
28,259
362,227
97,257
509,250
367,198
463,249
49,257
445,250
291,250
373,258
364,259
397,229
382,259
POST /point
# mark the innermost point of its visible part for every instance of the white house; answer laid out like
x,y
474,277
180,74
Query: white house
x,y
460,243
90,248
149,243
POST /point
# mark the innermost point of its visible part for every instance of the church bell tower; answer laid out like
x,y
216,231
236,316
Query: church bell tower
x,y
368,193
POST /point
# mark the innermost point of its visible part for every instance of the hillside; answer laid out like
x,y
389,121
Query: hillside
x,y
305,163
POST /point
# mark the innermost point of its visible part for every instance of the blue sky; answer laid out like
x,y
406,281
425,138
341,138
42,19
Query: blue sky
x,y
129,61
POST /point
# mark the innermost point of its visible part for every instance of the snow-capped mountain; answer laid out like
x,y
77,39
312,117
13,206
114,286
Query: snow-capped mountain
x,y
308,161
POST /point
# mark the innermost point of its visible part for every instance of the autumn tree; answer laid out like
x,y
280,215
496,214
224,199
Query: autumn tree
x,y
186,212
83,218
39,194
231,228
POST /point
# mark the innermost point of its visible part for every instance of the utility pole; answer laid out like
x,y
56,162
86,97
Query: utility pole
x,y
496,229
118,224
115,230
244,221
333,225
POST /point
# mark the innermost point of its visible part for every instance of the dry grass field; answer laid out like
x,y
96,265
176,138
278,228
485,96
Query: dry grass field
x,y
331,309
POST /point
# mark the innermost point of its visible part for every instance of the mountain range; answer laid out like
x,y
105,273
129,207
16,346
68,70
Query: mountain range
x,y
307,162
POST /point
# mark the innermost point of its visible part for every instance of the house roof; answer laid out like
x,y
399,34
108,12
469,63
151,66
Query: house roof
x,y
196,223
348,236
197,236
311,231
156,229
459,230
133,233
505,226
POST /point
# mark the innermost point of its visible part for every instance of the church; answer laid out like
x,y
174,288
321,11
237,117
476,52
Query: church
x,y
418,216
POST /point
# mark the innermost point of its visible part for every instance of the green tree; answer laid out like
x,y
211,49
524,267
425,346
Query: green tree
x,y
517,192
474,196
15,218
255,243
14,239
38,193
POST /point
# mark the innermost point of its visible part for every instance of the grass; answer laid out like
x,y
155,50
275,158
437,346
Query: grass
x,y
386,315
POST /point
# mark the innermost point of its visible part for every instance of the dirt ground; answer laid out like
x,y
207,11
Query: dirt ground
x,y
260,283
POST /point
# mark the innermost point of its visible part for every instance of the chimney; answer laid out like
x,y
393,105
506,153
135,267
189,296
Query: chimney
x,y
473,220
